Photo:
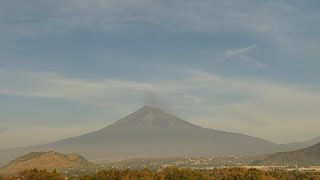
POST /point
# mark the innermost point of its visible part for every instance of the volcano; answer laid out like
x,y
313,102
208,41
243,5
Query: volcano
x,y
153,132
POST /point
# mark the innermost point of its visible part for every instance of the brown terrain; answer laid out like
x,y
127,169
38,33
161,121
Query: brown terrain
x,y
46,160
302,158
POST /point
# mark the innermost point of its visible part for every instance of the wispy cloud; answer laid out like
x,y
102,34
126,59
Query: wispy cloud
x,y
52,85
243,55
239,52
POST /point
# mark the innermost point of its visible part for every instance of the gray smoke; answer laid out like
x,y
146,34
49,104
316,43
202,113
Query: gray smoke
x,y
153,100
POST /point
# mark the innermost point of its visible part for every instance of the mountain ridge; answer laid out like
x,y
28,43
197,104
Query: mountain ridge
x,y
309,156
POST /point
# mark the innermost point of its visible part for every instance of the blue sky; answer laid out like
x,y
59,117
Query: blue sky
x,y
70,67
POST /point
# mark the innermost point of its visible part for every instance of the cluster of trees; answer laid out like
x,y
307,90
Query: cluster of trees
x,y
175,174
145,174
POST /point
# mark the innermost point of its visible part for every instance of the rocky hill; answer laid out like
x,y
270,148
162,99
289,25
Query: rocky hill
x,y
303,158
46,160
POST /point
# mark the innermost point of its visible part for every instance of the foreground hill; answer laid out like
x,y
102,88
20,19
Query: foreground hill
x,y
152,132
305,157
46,160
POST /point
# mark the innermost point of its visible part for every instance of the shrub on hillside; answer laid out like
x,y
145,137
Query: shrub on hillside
x,y
174,173
35,174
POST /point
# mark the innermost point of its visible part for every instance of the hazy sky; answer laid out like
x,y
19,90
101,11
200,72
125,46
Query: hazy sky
x,y
72,66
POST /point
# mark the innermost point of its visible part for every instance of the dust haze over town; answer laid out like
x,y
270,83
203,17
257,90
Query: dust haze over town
x,y
103,84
